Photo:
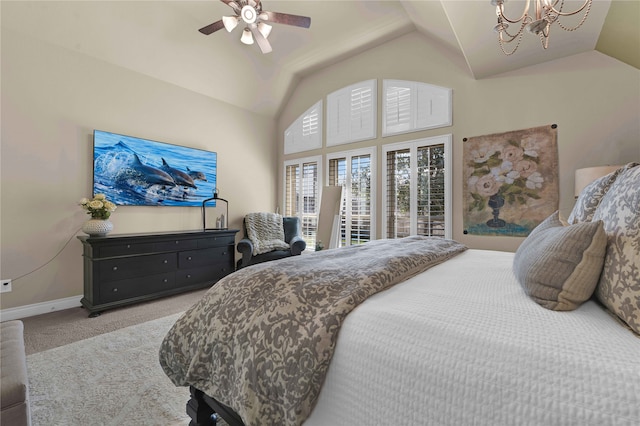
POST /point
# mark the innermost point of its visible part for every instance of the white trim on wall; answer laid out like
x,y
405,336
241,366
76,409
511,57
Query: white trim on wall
x,y
40,308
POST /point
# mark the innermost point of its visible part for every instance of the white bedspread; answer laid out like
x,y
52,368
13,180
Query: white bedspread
x,y
461,344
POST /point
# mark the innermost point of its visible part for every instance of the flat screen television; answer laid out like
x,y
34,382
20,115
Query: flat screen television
x,y
140,172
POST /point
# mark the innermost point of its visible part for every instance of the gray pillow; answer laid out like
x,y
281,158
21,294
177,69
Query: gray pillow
x,y
559,266
619,286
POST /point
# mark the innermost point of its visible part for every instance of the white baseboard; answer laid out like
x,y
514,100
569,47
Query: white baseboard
x,y
39,308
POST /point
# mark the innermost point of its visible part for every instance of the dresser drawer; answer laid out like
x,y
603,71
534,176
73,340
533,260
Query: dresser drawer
x,y
123,249
175,245
132,267
205,257
185,277
112,291
220,241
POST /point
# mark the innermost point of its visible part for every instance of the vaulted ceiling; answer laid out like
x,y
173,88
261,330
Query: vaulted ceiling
x,y
160,39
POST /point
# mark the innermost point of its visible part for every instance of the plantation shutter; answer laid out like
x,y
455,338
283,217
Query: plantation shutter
x,y
417,194
292,180
301,195
305,133
410,106
310,198
431,195
397,108
398,193
354,171
352,113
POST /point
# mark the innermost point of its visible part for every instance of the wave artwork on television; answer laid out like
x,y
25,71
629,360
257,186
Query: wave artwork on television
x,y
139,172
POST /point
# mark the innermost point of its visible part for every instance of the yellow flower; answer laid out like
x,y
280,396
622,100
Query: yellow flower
x,y
96,204
98,207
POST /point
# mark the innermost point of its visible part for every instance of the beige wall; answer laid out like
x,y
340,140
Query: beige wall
x,y
52,100
594,99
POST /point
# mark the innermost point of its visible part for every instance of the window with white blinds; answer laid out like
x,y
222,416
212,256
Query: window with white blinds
x,y
352,113
408,106
355,171
305,133
301,195
417,190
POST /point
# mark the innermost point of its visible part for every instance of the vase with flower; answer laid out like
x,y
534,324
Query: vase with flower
x,y
100,209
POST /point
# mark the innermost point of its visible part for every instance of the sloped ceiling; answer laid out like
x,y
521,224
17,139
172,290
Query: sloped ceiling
x,y
160,39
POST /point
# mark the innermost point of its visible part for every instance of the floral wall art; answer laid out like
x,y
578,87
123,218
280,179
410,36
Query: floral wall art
x,y
510,181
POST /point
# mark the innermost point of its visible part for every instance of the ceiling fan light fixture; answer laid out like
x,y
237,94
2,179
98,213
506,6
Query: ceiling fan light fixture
x,y
247,37
265,29
254,20
230,22
249,14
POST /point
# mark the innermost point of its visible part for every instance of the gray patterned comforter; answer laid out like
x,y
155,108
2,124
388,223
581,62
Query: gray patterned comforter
x,y
261,339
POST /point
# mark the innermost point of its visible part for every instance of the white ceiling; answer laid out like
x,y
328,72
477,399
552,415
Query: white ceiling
x,y
160,39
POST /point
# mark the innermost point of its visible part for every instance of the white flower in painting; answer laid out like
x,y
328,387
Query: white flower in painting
x,y
531,146
485,186
505,173
526,167
534,181
482,154
511,153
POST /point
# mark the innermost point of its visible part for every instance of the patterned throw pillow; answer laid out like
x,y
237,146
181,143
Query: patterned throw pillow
x,y
558,266
590,198
619,286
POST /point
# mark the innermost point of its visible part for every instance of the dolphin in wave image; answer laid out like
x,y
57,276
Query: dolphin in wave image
x,y
179,177
142,175
196,175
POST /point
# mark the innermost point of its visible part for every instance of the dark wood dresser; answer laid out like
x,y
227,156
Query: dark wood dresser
x,y
131,268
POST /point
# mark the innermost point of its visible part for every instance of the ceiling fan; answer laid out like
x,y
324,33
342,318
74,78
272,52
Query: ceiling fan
x,y
256,22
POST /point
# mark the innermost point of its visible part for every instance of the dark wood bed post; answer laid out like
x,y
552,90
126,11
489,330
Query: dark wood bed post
x,y
201,414
206,411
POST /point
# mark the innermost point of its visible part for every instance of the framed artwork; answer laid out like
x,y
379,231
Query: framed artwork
x,y
510,181
132,171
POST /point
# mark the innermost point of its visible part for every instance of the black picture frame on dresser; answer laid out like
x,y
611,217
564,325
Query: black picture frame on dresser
x,y
125,269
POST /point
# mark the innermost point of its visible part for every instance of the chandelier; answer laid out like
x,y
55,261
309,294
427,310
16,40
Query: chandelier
x,y
537,21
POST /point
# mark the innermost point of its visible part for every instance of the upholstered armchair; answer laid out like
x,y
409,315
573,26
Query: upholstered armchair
x,y
291,232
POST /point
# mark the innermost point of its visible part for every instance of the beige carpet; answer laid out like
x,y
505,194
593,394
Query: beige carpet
x,y
59,328
110,379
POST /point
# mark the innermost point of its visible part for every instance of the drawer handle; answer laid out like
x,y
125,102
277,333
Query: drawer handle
x,y
165,261
188,275
189,258
115,268
115,290
177,242
128,246
165,280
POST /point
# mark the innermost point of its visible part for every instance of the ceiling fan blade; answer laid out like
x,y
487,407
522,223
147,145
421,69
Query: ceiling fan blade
x,y
233,4
287,19
264,44
212,28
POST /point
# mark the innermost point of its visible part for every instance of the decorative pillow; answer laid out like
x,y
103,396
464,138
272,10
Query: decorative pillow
x,y
266,232
619,286
590,197
558,266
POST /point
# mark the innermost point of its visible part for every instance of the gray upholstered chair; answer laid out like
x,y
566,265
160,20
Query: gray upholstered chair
x,y
292,236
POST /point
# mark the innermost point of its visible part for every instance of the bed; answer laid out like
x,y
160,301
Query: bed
x,y
548,335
